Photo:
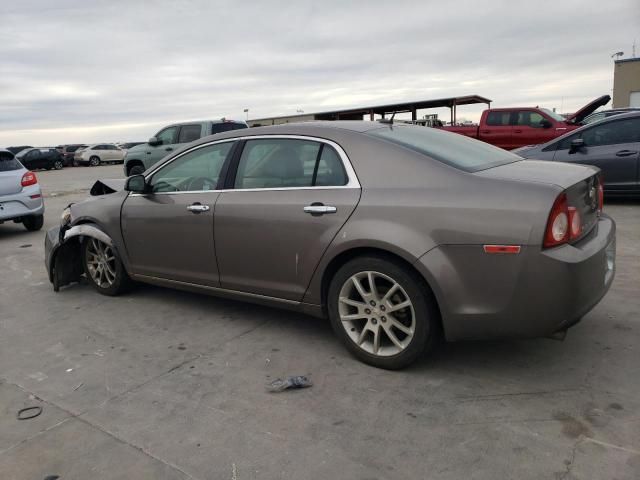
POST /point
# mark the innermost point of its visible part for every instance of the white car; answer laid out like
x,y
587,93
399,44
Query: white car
x,y
99,153
20,195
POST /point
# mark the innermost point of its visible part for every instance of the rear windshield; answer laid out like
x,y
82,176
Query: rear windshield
x,y
8,162
446,147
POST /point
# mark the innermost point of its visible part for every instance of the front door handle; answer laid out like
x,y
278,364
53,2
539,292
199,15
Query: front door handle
x,y
198,208
625,153
517,131
168,149
319,209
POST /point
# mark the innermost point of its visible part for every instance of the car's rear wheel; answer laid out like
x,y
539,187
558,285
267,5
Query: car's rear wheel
x,y
33,223
104,268
94,161
381,312
58,164
136,170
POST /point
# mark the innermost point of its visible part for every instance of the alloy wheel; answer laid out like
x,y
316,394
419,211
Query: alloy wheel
x,y
377,313
101,263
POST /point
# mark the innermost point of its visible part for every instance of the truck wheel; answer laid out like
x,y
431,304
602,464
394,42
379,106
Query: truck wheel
x,y
136,170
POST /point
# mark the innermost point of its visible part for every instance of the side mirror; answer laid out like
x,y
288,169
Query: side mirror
x,y
577,144
544,123
154,142
136,184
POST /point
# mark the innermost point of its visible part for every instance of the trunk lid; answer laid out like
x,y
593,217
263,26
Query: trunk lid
x,y
579,182
588,109
11,172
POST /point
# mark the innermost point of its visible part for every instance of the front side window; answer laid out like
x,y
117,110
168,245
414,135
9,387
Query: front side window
x,y
198,170
222,127
528,118
167,136
612,133
288,163
189,133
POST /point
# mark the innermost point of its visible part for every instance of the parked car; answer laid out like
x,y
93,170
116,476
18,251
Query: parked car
x,y
396,232
16,150
68,152
41,157
128,145
594,117
612,144
511,128
170,138
20,195
94,155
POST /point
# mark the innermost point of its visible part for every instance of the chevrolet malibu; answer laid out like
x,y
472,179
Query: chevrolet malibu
x,y
397,233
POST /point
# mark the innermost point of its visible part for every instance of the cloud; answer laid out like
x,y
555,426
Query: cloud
x,y
75,71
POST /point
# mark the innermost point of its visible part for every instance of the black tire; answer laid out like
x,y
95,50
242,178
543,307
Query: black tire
x,y
424,308
58,164
94,161
122,281
136,170
33,223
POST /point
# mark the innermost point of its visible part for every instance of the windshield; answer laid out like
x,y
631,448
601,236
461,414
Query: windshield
x,y
554,115
446,147
22,153
8,162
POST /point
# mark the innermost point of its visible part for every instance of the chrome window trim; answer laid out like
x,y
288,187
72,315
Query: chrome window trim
x,y
352,181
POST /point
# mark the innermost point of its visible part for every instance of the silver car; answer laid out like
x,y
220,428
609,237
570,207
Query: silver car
x,y
397,233
20,195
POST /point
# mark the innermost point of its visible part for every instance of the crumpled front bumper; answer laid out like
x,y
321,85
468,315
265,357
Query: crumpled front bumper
x,y
62,258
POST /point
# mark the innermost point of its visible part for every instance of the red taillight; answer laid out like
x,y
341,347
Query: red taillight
x,y
29,178
575,223
557,231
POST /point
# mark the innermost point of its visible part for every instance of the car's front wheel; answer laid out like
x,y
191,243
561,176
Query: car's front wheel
x,y
94,161
104,268
381,312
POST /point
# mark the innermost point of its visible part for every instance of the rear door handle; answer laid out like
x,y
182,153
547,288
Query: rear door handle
x,y
625,153
517,131
319,209
168,149
198,208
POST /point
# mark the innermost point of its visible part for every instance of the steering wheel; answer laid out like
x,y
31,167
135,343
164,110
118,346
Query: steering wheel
x,y
163,186
199,183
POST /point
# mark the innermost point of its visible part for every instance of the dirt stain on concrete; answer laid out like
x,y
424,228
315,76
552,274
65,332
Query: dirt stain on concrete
x,y
571,426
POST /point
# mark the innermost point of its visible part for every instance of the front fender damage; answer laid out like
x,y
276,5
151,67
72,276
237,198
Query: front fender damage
x,y
63,252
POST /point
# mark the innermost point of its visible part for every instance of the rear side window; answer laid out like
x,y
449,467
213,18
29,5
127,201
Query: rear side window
x,y
288,163
189,133
498,119
452,149
8,162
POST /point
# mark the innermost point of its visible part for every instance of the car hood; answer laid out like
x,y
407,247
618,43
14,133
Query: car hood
x,y
588,109
107,185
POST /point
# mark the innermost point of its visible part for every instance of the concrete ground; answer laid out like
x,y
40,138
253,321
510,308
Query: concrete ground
x,y
165,384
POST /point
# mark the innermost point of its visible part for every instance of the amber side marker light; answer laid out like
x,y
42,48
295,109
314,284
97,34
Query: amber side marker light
x,y
502,249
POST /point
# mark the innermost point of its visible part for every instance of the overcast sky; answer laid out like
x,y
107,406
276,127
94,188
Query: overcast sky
x,y
84,71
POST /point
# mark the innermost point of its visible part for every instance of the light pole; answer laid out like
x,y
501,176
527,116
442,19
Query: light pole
x,y
246,110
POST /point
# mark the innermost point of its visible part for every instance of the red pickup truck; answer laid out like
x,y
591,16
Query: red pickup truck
x,y
511,128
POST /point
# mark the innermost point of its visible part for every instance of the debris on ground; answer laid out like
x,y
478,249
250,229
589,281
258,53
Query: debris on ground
x,y
28,413
279,385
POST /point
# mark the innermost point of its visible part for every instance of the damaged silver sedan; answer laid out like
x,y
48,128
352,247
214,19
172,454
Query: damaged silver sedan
x,y
397,233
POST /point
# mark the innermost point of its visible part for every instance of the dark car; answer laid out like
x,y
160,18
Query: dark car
x,y
395,232
16,150
45,158
612,144
594,117
68,152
